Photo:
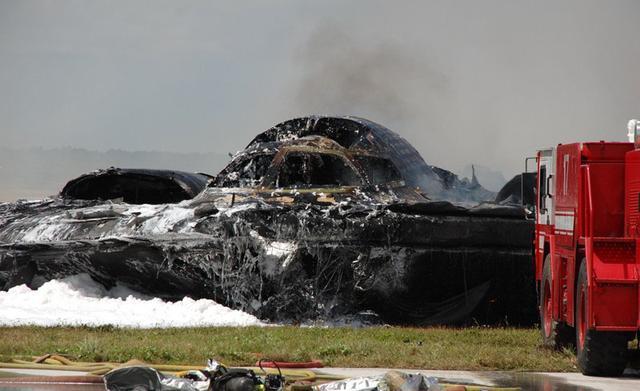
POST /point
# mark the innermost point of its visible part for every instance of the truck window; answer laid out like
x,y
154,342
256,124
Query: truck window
x,y
543,187
308,170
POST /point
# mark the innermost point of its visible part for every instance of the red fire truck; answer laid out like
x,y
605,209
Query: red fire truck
x,y
587,249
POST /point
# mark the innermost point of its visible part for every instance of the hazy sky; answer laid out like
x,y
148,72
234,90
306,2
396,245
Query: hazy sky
x,y
484,82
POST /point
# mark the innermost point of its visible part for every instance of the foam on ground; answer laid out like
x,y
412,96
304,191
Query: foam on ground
x,y
78,300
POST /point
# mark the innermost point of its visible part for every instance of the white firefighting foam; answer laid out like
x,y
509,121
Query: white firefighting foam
x,y
78,300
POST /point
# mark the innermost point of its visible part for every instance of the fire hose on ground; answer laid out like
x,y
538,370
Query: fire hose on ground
x,y
298,379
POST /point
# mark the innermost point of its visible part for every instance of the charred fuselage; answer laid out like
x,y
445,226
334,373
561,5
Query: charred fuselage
x,y
318,217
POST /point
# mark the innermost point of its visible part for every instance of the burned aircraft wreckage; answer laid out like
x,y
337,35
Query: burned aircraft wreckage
x,y
318,218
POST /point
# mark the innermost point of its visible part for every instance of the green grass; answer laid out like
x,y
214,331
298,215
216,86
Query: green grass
x,y
425,348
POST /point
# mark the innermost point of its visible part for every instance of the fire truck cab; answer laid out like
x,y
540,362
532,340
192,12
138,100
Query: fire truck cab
x,y
587,249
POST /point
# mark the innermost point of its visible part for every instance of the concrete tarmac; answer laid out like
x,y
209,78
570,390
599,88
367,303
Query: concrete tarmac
x,y
526,381
553,381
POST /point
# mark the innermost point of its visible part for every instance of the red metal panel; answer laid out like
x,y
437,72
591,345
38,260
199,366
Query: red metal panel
x,y
615,306
614,283
584,212
614,260
606,182
605,151
632,194
556,278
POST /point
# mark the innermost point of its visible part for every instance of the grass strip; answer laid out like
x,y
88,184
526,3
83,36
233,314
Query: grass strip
x,y
390,347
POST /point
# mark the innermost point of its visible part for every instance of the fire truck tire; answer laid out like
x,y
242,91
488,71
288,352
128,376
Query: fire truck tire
x,y
555,334
599,353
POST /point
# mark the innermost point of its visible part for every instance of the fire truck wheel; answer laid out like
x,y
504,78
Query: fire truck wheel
x,y
600,353
555,334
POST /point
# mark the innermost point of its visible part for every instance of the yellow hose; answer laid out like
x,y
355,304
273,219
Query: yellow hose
x,y
61,363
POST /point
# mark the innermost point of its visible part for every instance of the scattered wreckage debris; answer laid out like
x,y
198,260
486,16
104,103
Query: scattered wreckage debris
x,y
215,377
136,375
317,218
390,381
